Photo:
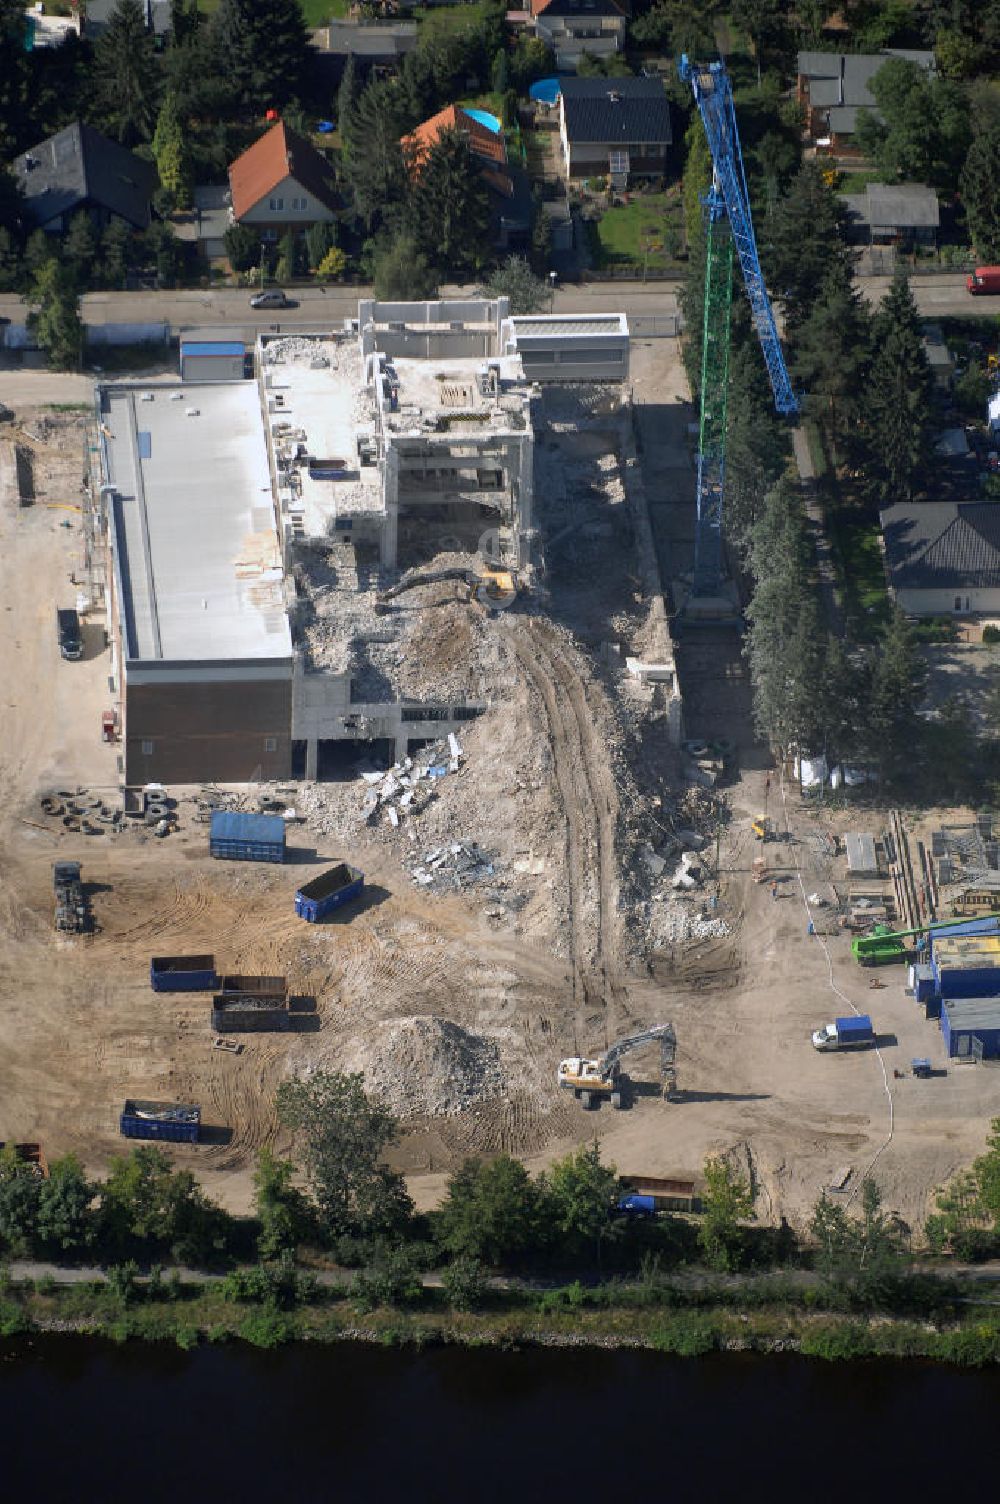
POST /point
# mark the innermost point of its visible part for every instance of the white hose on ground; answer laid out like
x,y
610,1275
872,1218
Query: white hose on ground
x,y
849,1001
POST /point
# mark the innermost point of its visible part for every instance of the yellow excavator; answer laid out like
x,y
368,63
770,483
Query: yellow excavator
x,y
591,1081
490,586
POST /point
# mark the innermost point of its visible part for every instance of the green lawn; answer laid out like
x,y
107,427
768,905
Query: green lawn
x,y
316,12
855,541
453,17
857,182
634,234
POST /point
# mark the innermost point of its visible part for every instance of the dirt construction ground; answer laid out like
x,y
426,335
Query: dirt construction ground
x,y
560,966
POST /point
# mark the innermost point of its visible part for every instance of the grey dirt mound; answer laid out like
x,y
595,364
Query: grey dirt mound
x,y
426,1066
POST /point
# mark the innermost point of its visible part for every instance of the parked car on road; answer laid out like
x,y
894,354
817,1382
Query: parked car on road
x,y
273,298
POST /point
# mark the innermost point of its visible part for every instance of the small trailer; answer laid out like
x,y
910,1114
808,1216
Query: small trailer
x,y
168,1122
182,974
331,890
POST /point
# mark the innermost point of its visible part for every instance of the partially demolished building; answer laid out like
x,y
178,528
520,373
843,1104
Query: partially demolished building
x,y
254,527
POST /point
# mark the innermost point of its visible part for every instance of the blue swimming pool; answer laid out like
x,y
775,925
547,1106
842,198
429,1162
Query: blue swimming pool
x,y
545,91
485,118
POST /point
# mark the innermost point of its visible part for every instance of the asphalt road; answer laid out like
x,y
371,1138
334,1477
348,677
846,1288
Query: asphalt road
x,y
317,306
230,307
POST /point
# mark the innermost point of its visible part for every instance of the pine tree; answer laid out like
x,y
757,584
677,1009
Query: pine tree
x,y
449,208
830,350
10,262
373,157
499,74
896,402
171,153
116,253
349,90
55,318
126,77
980,190
79,247
266,49
898,678
804,235
756,442
13,76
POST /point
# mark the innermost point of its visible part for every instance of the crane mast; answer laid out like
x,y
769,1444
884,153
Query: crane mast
x,y
729,229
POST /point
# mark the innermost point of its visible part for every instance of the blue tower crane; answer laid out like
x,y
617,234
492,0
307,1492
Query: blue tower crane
x,y
727,200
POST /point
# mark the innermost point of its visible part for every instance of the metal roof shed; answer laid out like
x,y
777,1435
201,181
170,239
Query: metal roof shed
x,y
971,1028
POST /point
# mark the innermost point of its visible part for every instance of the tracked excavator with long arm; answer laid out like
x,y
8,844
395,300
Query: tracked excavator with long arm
x,y
590,1081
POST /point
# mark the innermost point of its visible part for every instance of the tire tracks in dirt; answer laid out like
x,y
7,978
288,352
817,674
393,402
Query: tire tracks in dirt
x,y
590,804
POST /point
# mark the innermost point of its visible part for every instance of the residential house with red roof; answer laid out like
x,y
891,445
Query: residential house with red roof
x,y
282,183
510,191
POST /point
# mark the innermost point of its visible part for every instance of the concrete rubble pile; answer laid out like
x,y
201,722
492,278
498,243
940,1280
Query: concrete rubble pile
x,y
455,865
425,1066
407,788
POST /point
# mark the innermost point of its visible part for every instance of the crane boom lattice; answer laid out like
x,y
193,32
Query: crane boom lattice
x,y
729,201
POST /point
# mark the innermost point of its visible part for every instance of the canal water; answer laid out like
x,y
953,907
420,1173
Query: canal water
x,y
85,1421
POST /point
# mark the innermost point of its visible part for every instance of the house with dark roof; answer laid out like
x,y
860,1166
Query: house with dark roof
x,y
157,15
904,214
619,127
510,191
573,27
282,183
372,44
943,557
834,86
76,169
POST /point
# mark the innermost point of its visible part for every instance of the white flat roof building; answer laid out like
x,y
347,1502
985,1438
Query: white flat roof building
x,y
198,559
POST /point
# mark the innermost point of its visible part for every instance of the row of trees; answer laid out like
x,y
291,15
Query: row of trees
x,y
811,690
494,1214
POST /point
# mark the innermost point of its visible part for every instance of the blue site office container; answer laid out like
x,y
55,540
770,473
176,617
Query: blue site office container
x,y
971,1025
247,838
924,982
331,890
182,973
168,1122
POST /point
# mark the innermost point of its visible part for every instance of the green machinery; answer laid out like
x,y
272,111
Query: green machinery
x,y
883,945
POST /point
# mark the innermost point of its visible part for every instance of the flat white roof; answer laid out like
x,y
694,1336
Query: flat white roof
x,y
580,325
198,550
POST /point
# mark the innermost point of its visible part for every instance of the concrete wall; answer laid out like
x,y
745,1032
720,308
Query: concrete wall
x,y
427,332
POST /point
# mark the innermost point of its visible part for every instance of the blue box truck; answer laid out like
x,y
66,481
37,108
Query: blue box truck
x,y
845,1034
331,890
241,837
168,1122
182,974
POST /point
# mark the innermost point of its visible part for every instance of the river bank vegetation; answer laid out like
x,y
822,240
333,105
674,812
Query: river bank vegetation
x,y
336,1250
